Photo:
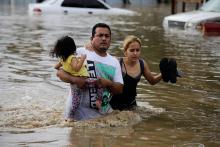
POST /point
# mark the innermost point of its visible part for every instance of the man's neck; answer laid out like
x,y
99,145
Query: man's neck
x,y
101,53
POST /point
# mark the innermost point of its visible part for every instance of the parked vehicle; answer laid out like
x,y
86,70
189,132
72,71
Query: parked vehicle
x,y
76,7
194,20
211,29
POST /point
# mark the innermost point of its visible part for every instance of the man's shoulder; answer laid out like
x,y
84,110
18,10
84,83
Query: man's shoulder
x,y
113,58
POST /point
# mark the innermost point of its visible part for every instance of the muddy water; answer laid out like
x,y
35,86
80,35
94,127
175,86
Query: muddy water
x,y
32,98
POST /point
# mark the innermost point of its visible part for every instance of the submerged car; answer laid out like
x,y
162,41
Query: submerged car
x,y
76,7
194,20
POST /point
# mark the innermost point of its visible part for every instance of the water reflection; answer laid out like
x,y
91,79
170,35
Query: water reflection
x,y
14,7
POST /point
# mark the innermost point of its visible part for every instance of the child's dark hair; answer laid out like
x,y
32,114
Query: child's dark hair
x,y
64,47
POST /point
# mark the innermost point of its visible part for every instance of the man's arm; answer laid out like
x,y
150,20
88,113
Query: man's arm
x,y
65,77
114,87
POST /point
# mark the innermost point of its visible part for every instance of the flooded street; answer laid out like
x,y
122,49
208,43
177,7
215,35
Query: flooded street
x,y
32,98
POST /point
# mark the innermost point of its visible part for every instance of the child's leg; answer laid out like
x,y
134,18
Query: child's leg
x,y
75,91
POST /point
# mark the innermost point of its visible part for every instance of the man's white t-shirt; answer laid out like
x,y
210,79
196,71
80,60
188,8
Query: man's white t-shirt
x,y
107,67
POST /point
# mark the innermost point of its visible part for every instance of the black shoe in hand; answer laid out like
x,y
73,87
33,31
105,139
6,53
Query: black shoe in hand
x,y
164,69
172,70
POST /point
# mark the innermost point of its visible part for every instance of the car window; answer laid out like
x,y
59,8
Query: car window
x,y
94,4
72,3
211,6
83,4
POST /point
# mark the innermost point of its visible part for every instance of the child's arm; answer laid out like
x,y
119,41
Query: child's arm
x,y
88,46
58,65
77,63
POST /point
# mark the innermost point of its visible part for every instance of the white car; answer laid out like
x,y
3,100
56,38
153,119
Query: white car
x,y
193,20
76,7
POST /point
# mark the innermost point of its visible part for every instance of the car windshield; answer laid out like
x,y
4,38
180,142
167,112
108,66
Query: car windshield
x,y
211,6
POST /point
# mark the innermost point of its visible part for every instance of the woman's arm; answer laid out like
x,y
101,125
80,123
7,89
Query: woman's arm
x,y
151,77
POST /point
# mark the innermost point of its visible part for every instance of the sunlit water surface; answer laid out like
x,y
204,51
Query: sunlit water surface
x,y
32,98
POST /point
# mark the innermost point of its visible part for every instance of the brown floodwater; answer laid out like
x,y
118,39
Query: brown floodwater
x,y
32,98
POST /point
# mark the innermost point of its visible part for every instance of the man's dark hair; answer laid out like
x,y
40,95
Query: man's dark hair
x,y
100,25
